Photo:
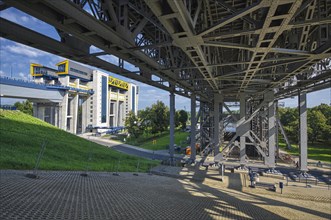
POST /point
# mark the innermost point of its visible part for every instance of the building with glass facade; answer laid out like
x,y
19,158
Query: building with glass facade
x,y
106,104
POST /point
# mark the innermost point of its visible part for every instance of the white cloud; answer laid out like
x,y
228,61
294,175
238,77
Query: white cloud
x,y
24,50
130,67
19,17
109,58
23,76
94,49
2,73
24,19
9,15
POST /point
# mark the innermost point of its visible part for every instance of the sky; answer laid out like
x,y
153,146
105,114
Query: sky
x,y
15,61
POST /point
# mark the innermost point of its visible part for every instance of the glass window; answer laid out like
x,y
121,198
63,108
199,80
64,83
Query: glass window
x,y
36,70
133,99
112,108
62,68
104,99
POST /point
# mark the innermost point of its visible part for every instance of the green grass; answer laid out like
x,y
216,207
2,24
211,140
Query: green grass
x,y
316,151
21,136
162,141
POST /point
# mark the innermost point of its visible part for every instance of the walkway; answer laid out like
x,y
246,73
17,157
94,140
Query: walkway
x,y
129,149
67,195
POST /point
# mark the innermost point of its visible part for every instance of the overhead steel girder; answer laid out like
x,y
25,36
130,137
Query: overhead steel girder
x,y
31,38
235,16
103,36
252,69
271,60
291,25
187,26
220,48
321,81
301,67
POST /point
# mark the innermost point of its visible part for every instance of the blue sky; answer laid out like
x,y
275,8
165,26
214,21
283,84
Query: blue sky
x,y
15,60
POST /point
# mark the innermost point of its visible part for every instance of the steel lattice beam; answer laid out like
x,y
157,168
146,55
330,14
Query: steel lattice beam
x,y
206,47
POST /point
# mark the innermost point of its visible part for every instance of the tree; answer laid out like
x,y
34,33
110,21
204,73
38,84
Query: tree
x,y
25,107
144,117
326,111
177,122
133,125
318,121
288,115
316,124
159,117
183,116
289,118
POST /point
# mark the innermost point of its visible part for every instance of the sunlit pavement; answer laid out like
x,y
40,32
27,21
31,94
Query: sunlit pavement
x,y
101,195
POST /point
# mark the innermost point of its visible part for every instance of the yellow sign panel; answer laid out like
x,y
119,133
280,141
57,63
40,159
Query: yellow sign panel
x,y
118,83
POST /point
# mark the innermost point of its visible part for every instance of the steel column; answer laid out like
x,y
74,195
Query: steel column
x,y
216,124
193,126
303,131
270,160
243,134
172,124
277,129
218,99
202,136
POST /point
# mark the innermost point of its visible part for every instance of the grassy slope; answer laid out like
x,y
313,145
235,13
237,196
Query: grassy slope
x,y
162,141
316,151
21,136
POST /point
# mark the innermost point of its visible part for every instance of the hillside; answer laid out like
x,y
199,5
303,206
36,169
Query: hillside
x,y
22,135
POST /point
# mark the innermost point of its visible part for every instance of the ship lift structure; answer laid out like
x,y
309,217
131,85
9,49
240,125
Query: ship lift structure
x,y
215,52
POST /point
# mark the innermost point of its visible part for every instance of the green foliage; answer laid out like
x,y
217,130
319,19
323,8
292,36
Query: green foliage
x,y
316,151
177,122
326,111
183,117
159,117
133,125
318,119
317,123
25,107
161,141
21,136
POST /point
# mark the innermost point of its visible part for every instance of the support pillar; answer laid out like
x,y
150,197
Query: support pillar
x,y
41,112
193,126
52,110
277,129
303,131
202,118
63,111
35,110
56,115
74,113
172,125
270,160
84,114
217,101
243,133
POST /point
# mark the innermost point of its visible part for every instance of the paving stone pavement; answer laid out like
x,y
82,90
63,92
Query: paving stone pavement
x,y
100,195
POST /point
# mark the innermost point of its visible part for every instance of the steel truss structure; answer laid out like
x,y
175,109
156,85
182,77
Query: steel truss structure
x,y
214,51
